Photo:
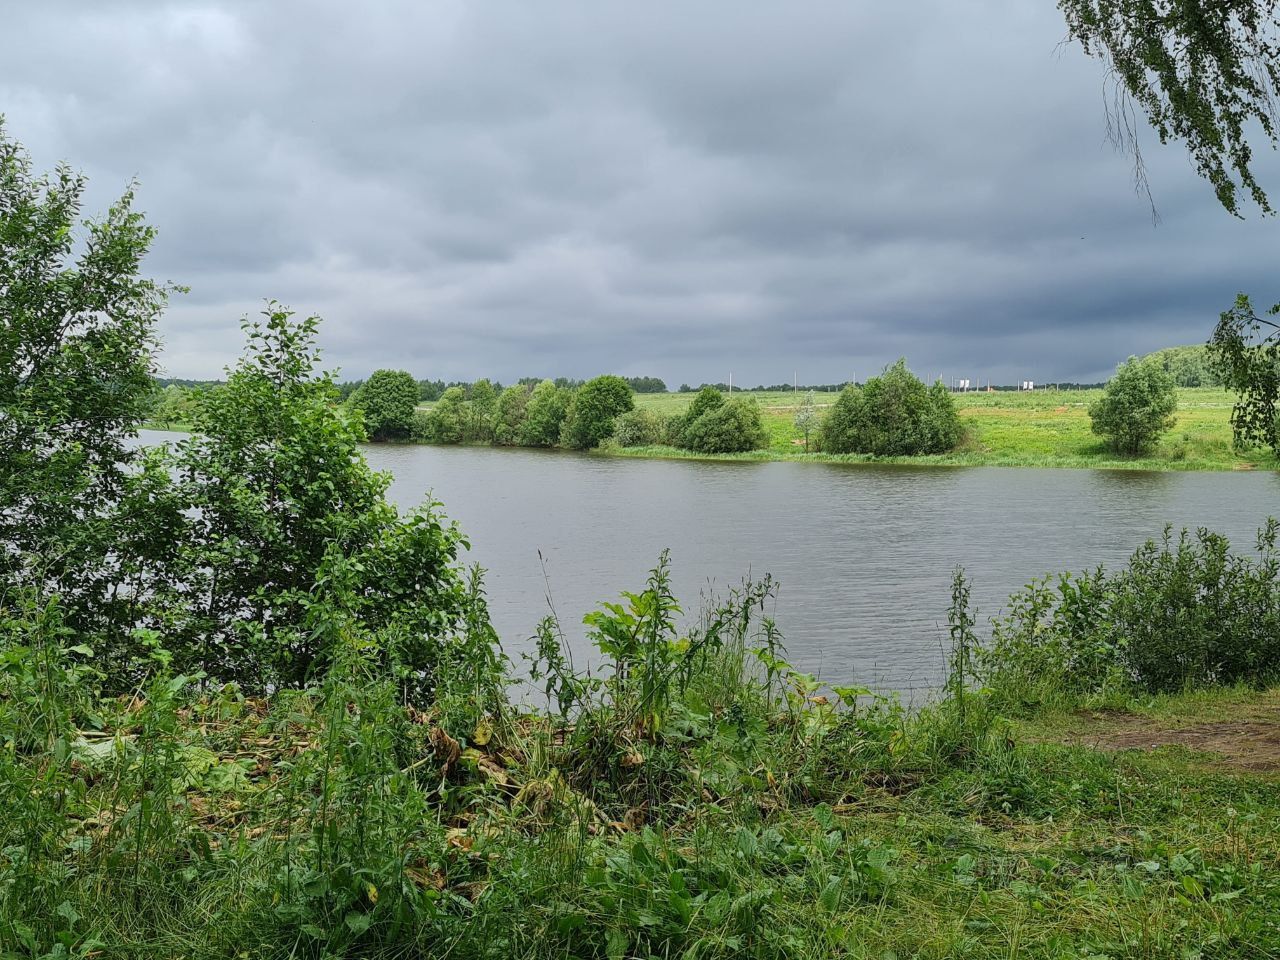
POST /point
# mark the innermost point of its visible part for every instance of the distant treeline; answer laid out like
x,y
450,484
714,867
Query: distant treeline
x,y
430,391
776,388
1189,366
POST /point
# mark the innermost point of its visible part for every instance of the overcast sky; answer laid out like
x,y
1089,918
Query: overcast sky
x,y
675,189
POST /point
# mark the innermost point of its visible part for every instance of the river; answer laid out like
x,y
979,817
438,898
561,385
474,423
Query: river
x,y
864,554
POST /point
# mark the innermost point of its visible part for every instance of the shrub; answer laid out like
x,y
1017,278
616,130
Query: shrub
x,y
732,427
446,422
1184,612
482,409
387,401
77,341
509,420
806,418
1135,408
892,415
277,495
638,428
420,427
1189,612
544,416
708,399
594,408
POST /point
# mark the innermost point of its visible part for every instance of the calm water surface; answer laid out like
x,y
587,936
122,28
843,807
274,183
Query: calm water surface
x,y
864,554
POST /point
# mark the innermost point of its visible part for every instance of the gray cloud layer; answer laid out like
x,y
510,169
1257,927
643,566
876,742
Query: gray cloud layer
x,y
514,188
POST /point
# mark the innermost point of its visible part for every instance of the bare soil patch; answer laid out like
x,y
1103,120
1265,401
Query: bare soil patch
x,y
1251,742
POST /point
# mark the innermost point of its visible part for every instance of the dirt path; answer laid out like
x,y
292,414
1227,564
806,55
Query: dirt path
x,y
1250,740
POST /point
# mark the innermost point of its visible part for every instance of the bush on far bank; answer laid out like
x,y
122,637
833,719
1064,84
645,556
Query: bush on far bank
x,y
592,411
707,399
1135,408
387,402
892,415
733,426
446,422
639,428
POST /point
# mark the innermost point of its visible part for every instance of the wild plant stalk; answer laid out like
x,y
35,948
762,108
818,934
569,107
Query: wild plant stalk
x,y
960,628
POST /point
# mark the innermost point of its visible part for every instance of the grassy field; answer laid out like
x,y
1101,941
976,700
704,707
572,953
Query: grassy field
x,y
1044,428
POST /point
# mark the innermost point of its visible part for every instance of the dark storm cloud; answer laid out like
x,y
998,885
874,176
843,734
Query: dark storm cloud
x,y
508,188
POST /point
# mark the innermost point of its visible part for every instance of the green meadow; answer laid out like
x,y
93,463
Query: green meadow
x,y
1041,428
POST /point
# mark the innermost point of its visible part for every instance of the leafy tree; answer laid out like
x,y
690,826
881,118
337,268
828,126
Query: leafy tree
x,y
387,401
1245,350
281,506
707,399
1203,73
513,404
544,416
893,414
483,409
806,418
638,428
446,422
593,410
942,430
733,426
77,336
1136,407
1190,366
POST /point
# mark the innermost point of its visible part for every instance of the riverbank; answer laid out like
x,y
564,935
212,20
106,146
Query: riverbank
x,y
1041,428
284,828
1102,460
